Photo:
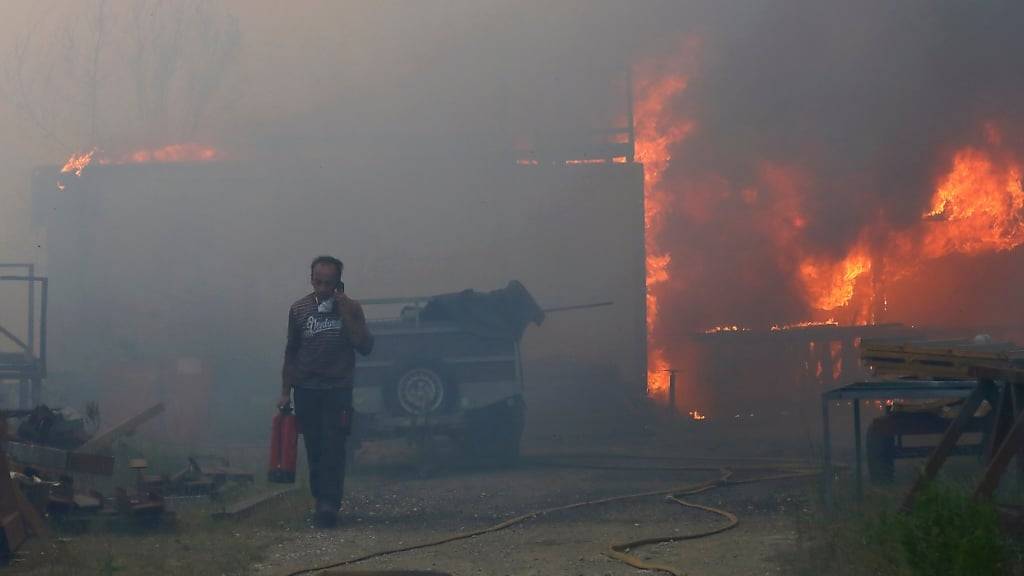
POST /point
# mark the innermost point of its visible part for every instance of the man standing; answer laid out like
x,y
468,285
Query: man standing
x,y
325,328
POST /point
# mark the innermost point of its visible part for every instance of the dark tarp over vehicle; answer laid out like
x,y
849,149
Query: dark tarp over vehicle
x,y
503,313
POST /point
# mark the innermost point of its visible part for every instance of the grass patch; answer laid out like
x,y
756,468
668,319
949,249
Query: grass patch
x,y
946,534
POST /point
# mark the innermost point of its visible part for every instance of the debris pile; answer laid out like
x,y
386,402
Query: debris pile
x,y
45,464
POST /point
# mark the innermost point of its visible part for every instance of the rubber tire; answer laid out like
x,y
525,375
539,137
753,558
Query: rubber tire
x,y
449,389
881,446
493,433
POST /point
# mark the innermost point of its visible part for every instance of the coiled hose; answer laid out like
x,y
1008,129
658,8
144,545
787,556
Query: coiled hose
x,y
784,469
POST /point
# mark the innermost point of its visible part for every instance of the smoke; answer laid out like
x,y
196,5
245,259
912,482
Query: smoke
x,y
816,133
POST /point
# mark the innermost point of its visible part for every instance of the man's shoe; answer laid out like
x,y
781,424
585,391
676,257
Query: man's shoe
x,y
326,515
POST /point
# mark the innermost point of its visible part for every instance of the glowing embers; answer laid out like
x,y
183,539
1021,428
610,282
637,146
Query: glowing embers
x,y
807,324
77,162
729,328
171,154
696,415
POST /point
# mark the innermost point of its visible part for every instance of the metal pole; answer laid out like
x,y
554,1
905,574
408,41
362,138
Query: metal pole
x,y
42,326
24,394
31,311
629,110
857,448
826,447
672,390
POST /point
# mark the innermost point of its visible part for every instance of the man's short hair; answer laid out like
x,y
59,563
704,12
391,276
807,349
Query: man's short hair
x,y
326,260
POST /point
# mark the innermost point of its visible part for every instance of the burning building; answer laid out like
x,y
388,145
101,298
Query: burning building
x,y
777,228
795,171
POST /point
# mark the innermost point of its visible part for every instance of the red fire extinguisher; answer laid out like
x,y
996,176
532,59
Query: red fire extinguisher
x,y
284,439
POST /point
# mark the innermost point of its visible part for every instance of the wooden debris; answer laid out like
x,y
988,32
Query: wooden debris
x,y
247,506
58,460
949,359
103,442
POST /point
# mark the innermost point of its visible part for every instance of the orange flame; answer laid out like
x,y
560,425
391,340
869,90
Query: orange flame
x,y
697,415
171,154
831,285
978,207
808,324
77,162
836,356
657,130
174,153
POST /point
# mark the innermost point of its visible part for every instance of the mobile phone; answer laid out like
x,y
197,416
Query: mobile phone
x,y
340,287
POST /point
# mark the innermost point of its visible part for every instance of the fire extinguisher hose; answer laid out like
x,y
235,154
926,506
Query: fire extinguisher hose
x,y
622,552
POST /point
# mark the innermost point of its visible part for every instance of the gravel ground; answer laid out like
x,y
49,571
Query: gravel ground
x,y
389,509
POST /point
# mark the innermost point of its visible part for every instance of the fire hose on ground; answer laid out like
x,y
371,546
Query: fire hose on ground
x,y
623,552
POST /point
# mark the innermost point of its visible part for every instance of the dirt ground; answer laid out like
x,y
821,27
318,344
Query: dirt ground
x,y
584,441
384,511
391,503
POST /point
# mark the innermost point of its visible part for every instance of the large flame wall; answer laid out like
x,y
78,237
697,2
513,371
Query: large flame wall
x,y
804,189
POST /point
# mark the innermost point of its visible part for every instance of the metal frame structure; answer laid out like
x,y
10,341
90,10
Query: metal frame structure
x,y
27,367
879,390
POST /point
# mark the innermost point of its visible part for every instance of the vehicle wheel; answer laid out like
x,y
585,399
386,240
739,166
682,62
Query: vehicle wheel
x,y
881,448
419,390
493,433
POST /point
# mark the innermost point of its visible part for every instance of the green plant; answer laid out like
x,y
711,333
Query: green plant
x,y
948,532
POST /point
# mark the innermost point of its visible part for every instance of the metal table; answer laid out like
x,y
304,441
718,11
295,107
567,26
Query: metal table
x,y
879,390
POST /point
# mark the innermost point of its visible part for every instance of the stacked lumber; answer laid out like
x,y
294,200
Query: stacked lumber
x,y
944,360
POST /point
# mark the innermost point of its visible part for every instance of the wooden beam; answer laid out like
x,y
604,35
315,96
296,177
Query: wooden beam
x,y
104,441
1002,419
949,440
247,506
1010,446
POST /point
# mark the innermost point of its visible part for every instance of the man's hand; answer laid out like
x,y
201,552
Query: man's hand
x,y
355,322
346,306
284,400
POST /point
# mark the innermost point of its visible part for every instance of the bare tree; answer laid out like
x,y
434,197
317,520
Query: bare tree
x,y
70,74
183,51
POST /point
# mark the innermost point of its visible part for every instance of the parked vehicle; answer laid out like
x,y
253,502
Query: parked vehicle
x,y
448,365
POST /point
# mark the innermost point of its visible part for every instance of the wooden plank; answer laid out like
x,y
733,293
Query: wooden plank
x,y
949,359
1001,421
60,460
12,532
1010,447
248,505
30,514
949,440
104,441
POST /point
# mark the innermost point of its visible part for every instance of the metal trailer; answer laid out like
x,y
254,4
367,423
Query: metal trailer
x,y
426,378
437,378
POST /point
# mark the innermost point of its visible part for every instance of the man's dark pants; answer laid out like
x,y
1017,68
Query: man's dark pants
x,y
324,417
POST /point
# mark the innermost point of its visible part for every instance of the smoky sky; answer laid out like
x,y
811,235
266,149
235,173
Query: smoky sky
x,y
857,91
866,99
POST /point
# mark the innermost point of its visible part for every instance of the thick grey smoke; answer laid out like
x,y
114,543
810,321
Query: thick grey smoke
x,y
411,112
